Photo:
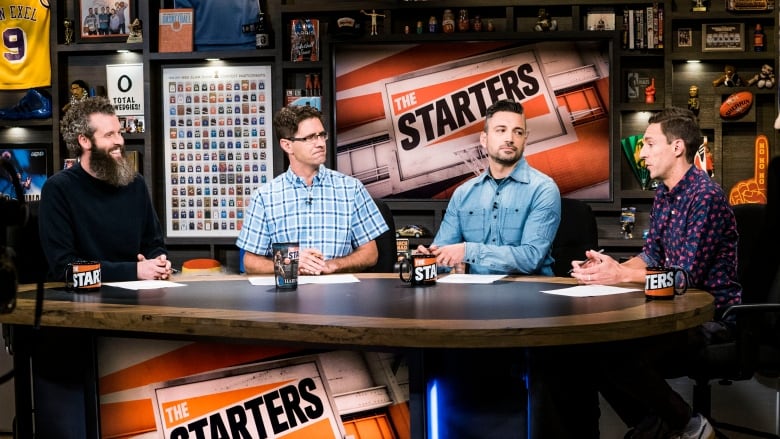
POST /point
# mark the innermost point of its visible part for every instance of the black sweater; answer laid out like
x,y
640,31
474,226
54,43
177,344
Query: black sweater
x,y
83,218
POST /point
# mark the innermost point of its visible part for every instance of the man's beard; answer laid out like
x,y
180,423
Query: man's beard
x,y
505,161
114,172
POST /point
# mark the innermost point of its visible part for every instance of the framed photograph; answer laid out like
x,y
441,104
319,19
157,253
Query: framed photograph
x,y
104,21
724,37
685,37
600,19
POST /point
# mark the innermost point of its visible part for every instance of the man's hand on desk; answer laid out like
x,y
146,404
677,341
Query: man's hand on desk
x,y
446,256
598,268
158,268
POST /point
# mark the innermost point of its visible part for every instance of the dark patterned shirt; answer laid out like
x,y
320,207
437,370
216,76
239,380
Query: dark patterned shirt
x,y
693,226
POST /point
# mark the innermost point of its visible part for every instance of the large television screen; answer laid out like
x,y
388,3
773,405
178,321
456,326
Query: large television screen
x,y
408,116
30,165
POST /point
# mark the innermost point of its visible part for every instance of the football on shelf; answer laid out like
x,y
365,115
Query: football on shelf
x,y
736,105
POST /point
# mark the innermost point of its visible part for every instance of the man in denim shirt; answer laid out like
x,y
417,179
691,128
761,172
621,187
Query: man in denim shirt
x,y
503,221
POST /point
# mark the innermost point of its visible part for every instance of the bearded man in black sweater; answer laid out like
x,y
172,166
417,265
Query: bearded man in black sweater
x,y
100,209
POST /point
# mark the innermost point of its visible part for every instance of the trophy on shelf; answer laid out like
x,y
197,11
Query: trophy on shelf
x,y
68,23
699,6
627,221
136,36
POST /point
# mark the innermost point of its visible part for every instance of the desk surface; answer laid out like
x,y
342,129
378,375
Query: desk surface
x,y
379,311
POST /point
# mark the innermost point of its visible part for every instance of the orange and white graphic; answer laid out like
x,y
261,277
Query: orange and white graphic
x,y
282,399
162,388
408,117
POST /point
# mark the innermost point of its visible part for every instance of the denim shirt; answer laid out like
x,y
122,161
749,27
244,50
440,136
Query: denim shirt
x,y
508,228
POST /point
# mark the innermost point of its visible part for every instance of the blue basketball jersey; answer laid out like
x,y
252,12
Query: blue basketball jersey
x,y
218,23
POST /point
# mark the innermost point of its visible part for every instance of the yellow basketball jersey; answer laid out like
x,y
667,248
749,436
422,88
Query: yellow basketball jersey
x,y
25,27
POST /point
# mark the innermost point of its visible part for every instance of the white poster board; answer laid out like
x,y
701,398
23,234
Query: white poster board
x,y
125,87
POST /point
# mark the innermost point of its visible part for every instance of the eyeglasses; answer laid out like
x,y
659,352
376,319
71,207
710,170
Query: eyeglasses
x,y
311,138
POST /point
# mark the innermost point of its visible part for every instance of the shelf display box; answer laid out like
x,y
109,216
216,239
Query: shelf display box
x,y
305,39
176,30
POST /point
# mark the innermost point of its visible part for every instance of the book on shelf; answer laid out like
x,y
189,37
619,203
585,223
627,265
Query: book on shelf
x,y
642,28
305,39
176,30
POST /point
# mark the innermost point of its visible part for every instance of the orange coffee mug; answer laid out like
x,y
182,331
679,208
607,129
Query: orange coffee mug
x,y
662,282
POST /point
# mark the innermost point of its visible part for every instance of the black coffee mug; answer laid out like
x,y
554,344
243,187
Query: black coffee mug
x,y
419,269
83,276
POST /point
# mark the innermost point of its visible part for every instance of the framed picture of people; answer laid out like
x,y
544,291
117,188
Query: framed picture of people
x,y
104,20
218,146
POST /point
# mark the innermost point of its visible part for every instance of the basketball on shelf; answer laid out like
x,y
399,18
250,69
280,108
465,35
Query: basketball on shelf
x,y
736,105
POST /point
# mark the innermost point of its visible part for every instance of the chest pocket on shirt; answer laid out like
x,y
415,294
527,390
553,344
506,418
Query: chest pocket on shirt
x,y
511,230
473,224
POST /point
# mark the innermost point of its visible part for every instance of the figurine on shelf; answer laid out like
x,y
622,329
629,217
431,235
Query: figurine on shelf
x,y
68,23
135,32
544,22
627,221
650,92
79,90
693,99
765,78
729,78
373,16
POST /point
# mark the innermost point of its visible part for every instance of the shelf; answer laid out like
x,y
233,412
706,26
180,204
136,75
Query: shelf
x,y
618,242
25,123
260,54
756,57
99,47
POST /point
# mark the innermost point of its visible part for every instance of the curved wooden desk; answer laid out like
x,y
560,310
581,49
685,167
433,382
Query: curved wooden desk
x,y
379,311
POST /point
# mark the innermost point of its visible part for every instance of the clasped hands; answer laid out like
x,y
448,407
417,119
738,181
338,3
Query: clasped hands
x,y
158,268
598,268
312,262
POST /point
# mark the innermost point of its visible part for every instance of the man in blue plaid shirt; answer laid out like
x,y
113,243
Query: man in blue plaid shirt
x,y
331,215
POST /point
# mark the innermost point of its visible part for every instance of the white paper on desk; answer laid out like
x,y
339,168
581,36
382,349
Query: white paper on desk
x,y
590,291
144,284
302,280
457,278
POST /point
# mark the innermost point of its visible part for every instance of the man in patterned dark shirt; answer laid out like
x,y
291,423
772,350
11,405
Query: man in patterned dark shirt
x,y
692,226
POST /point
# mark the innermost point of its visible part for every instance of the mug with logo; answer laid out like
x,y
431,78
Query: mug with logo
x,y
419,269
286,258
664,282
83,276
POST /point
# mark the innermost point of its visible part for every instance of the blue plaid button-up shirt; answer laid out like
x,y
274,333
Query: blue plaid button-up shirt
x,y
334,215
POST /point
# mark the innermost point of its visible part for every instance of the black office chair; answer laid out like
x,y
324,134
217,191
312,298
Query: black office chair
x,y
756,348
577,233
386,243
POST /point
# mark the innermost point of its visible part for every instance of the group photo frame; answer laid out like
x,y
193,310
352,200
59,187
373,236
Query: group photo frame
x,y
104,20
723,37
